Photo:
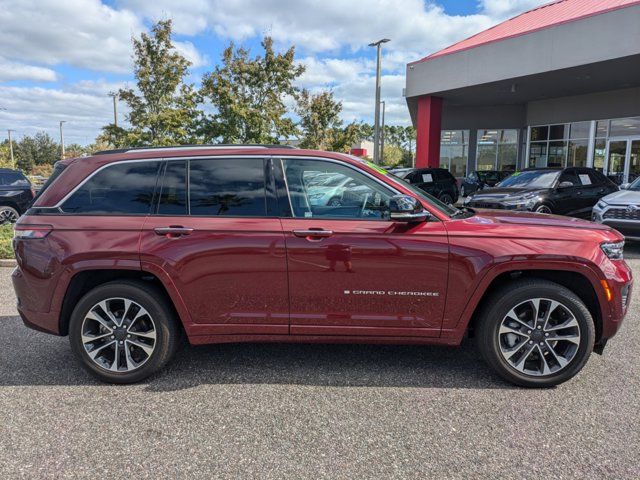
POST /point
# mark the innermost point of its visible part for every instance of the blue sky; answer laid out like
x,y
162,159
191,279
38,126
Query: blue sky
x,y
59,59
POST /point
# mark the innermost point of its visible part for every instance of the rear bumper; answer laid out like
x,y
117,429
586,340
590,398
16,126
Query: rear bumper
x,y
29,306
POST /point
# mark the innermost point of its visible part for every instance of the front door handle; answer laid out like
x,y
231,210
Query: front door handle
x,y
313,234
173,231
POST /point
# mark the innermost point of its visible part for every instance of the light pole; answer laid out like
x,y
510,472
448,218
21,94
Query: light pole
x,y
13,162
382,135
115,107
376,125
62,138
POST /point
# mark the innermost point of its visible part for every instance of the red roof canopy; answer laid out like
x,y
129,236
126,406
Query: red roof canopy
x,y
545,16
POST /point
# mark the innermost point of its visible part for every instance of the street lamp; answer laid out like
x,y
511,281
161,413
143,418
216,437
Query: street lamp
x,y
62,137
376,127
115,108
382,135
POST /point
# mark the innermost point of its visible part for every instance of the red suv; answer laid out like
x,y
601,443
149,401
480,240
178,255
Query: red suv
x,y
127,251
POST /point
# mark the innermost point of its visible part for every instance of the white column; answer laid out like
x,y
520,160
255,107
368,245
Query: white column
x,y
591,146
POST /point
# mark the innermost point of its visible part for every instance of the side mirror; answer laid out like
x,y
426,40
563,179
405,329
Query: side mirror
x,y
405,208
625,186
565,185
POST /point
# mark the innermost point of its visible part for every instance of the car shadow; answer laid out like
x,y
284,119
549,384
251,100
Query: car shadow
x,y
33,358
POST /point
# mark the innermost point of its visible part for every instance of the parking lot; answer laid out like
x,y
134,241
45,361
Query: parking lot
x,y
296,411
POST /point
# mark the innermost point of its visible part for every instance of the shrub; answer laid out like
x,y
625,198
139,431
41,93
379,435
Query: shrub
x,y
6,236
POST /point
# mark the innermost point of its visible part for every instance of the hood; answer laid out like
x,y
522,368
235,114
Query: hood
x,y
534,219
505,193
623,197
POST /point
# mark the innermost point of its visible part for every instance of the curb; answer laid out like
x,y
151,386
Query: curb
x,y
8,263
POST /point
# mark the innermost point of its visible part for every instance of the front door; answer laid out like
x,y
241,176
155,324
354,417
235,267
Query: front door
x,y
352,271
214,236
623,159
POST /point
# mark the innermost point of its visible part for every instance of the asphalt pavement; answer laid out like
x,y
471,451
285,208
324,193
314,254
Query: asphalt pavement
x,y
314,411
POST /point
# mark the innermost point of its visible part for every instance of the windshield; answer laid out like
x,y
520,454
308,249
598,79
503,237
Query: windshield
x,y
401,173
635,185
531,179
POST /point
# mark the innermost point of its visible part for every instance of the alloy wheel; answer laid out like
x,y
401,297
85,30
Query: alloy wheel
x,y
8,215
118,335
543,209
539,337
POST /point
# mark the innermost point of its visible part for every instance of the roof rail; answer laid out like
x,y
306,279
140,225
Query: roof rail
x,y
190,147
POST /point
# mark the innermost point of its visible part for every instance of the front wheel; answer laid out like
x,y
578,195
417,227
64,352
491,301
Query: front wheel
x,y
536,333
123,331
8,214
543,209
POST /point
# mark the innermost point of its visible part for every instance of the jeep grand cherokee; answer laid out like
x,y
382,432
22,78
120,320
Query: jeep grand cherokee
x,y
127,251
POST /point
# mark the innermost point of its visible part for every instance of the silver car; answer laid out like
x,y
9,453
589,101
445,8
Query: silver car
x,y
621,210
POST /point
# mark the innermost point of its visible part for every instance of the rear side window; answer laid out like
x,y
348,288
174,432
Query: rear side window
x,y
119,189
13,179
232,187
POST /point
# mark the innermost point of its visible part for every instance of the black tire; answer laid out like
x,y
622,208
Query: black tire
x,y
334,202
167,331
8,214
499,304
446,198
543,208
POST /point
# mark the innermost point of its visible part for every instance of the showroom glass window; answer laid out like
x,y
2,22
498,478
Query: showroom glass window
x,y
323,189
549,146
497,150
118,189
578,144
233,187
454,151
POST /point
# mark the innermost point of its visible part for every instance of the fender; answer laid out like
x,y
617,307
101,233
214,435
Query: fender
x,y
457,330
174,294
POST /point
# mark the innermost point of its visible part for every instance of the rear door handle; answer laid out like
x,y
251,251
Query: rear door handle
x,y
313,234
173,231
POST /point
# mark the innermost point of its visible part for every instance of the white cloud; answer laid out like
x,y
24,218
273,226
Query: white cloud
x,y
19,71
502,9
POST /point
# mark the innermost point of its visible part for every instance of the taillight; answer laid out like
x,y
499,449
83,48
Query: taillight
x,y
28,232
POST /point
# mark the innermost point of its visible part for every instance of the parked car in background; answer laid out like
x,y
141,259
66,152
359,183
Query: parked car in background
x,y
435,181
127,251
621,210
569,191
16,195
477,180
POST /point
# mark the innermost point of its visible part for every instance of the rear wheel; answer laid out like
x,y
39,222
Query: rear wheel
x,y
122,332
8,214
536,333
446,198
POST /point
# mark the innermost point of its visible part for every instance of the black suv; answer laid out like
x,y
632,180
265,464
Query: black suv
x,y
435,181
16,195
570,191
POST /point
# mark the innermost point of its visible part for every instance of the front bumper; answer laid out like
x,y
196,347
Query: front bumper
x,y
618,218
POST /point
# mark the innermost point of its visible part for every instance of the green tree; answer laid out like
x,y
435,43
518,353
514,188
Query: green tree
x,y
319,120
40,149
5,155
392,155
249,95
164,109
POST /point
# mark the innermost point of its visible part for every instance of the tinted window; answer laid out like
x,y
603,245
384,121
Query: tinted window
x,y
173,191
232,187
13,179
570,176
124,188
58,168
531,179
356,196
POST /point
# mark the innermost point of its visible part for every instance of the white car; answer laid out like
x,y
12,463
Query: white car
x,y
621,210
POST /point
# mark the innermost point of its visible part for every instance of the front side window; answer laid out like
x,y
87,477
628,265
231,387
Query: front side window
x,y
118,189
232,187
346,194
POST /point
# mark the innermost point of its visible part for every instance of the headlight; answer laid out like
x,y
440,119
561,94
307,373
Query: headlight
x,y
528,201
613,250
601,205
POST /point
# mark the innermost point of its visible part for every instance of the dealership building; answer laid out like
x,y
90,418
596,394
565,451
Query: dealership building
x,y
558,85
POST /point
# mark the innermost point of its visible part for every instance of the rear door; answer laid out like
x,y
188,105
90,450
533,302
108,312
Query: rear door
x,y
353,271
215,236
